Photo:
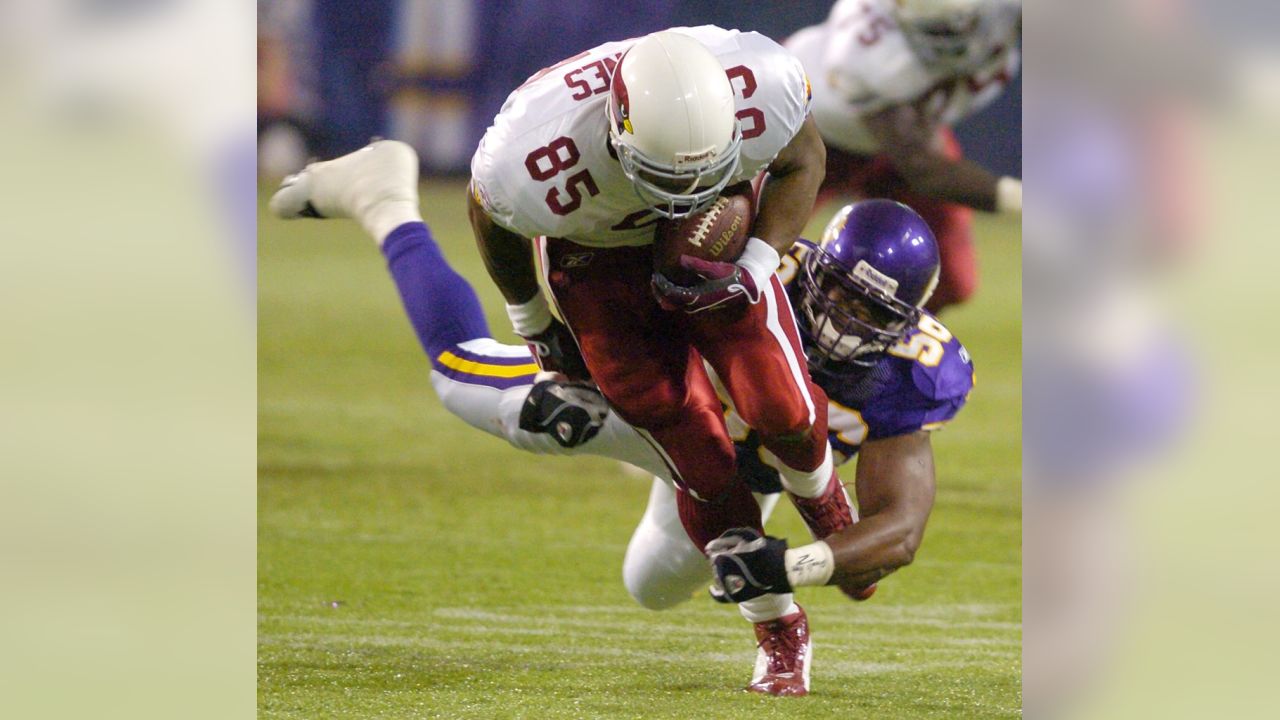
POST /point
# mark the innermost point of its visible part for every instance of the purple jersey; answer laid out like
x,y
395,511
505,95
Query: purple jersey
x,y
920,383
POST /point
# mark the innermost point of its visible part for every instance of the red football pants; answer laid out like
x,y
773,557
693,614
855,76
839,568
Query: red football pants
x,y
648,363
873,176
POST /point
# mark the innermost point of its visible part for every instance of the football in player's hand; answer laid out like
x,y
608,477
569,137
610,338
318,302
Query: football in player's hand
x,y
718,234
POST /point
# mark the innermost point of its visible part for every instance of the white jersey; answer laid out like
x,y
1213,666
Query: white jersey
x,y
545,166
861,63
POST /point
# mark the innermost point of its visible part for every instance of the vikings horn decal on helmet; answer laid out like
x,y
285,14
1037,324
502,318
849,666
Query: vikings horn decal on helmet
x,y
863,285
672,123
953,34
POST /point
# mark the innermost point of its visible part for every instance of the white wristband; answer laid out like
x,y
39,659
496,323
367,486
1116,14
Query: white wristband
x,y
1009,195
760,259
531,317
810,564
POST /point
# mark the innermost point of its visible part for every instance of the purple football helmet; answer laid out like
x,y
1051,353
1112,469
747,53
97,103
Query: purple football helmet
x,y
863,285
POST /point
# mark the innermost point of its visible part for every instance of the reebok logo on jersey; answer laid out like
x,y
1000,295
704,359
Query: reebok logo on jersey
x,y
576,260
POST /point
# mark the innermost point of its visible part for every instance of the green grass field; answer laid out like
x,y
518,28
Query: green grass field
x,y
412,567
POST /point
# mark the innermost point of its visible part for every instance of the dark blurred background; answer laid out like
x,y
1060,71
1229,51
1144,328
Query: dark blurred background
x,y
334,73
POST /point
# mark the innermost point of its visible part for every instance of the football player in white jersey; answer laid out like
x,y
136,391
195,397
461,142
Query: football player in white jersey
x,y
886,422
889,79
580,163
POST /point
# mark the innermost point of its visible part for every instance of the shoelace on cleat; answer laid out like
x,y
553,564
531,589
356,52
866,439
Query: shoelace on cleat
x,y
784,642
825,512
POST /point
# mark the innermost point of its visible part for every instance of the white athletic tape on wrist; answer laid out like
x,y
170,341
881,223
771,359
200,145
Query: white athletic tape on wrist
x,y
810,564
1009,195
531,317
760,259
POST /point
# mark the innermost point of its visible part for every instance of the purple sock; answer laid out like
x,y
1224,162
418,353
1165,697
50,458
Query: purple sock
x,y
442,306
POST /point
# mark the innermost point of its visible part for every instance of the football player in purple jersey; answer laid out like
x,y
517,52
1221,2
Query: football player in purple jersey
x,y
892,374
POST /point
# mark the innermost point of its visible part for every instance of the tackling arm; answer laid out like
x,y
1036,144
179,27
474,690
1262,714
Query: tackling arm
x,y
895,488
895,494
909,139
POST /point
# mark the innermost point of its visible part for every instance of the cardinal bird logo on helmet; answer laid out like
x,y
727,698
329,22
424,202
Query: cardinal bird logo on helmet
x,y
621,105
677,141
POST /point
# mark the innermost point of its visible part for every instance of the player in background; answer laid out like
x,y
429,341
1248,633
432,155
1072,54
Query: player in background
x,y
581,162
883,404
890,78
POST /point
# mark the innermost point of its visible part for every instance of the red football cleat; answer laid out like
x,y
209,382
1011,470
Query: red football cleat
x,y
782,661
828,513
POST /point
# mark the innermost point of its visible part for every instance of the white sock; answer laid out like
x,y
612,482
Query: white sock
x,y
808,484
768,607
380,219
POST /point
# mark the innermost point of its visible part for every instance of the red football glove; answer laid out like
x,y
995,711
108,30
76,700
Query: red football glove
x,y
723,284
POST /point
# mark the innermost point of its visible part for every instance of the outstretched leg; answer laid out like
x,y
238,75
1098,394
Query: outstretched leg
x,y
478,379
441,305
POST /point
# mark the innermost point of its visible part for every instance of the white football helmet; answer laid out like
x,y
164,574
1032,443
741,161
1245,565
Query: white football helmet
x,y
672,123
956,33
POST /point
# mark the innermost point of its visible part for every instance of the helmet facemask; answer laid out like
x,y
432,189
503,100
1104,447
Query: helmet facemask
x,y
850,322
687,186
678,141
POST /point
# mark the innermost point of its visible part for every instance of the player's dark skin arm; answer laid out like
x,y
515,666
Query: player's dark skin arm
x,y
507,256
910,140
791,188
895,488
